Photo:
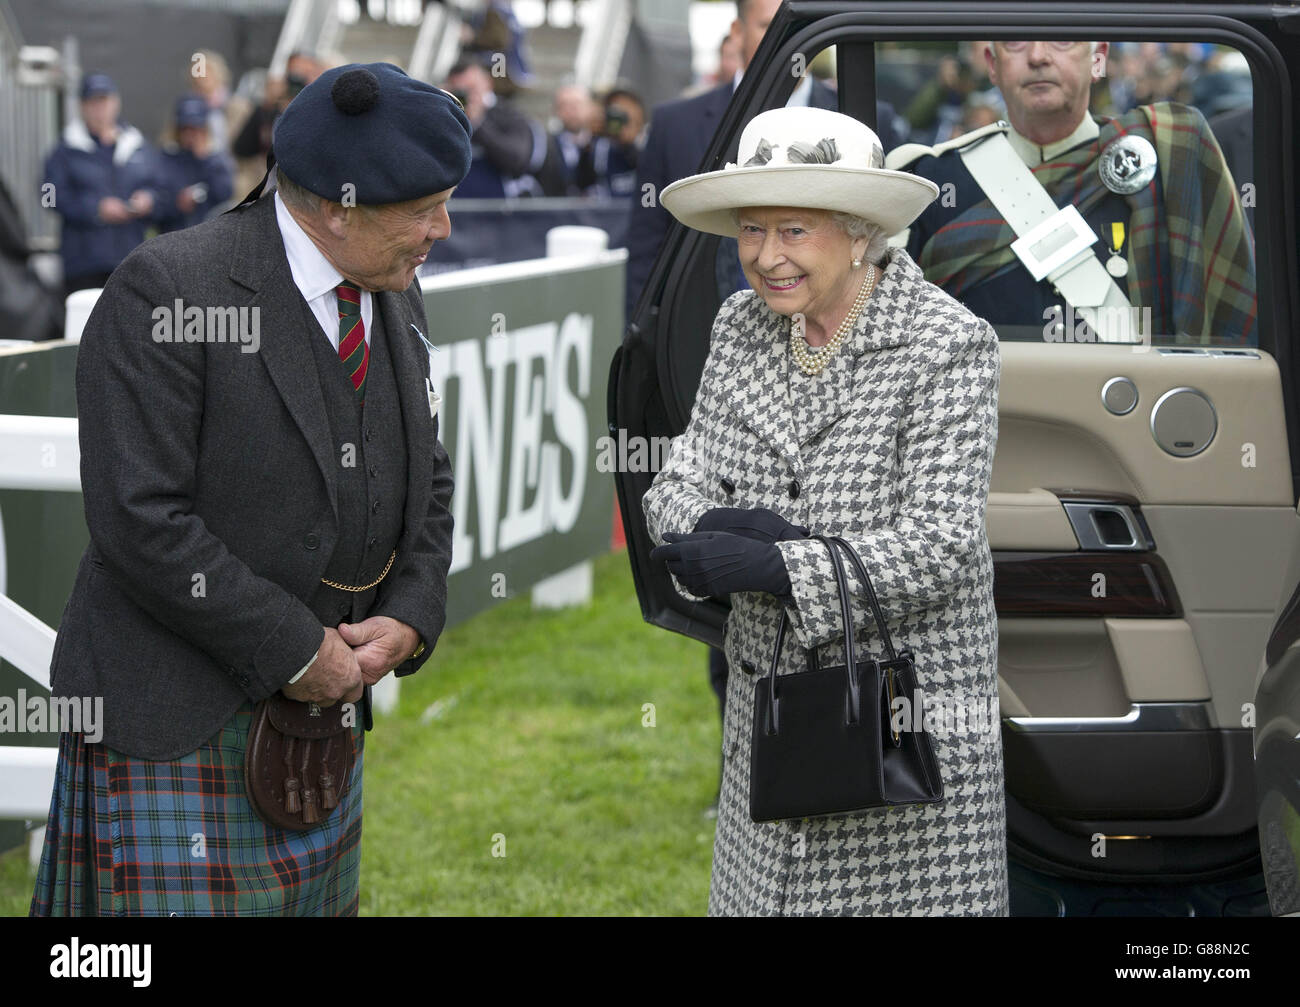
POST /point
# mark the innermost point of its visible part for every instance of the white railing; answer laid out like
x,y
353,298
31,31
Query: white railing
x,y
36,453
437,43
604,37
310,26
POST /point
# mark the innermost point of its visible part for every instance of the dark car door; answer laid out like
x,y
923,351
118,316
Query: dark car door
x,y
1168,474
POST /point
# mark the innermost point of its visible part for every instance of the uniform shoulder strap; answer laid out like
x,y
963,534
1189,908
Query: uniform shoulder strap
x,y
909,153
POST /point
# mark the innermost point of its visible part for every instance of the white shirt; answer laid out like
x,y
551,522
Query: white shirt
x,y
800,97
316,277
1033,154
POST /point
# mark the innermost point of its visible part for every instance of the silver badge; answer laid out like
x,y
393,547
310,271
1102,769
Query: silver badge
x,y
1127,165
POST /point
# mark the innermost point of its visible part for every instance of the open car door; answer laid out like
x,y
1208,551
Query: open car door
x,y
1142,513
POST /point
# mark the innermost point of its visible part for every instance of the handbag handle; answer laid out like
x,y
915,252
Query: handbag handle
x,y
879,615
846,617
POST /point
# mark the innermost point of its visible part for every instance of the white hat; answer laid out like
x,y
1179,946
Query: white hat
x,y
805,157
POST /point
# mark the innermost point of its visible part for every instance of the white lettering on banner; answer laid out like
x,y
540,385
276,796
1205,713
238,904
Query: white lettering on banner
x,y
542,386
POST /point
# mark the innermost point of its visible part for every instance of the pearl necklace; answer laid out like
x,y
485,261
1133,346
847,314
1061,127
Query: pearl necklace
x,y
813,360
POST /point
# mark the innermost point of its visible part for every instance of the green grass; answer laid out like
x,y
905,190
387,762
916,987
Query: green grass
x,y
539,739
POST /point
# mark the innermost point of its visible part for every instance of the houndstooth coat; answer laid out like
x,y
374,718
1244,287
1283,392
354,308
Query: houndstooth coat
x,y
899,467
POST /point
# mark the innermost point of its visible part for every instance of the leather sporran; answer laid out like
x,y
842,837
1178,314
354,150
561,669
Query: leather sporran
x,y
298,761
822,740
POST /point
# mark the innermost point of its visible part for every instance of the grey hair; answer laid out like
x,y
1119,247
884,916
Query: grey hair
x,y
294,195
303,200
859,227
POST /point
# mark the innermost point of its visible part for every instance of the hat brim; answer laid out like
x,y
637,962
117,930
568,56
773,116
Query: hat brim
x,y
892,199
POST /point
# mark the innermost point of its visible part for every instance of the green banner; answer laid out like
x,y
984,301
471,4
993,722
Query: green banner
x,y
522,364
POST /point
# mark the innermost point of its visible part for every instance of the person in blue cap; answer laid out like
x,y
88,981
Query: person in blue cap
x,y
196,178
102,180
269,514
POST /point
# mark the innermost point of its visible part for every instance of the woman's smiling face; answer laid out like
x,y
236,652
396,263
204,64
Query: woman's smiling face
x,y
799,260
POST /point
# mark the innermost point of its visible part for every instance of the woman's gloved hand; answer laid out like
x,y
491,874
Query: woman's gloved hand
x,y
758,523
715,563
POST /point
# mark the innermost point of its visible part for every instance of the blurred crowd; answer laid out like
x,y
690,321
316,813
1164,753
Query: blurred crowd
x,y
114,186
957,95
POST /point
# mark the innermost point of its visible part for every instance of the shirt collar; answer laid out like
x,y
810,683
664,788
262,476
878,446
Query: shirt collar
x,y
1034,154
313,274
800,97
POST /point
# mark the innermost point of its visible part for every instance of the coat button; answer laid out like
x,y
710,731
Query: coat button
x,y
365,434
374,471
794,489
312,541
374,508
344,609
748,668
728,487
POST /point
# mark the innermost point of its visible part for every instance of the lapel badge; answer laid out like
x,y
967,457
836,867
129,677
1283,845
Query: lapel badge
x,y
1127,165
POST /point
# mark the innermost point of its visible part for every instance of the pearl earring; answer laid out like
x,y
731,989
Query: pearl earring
x,y
857,263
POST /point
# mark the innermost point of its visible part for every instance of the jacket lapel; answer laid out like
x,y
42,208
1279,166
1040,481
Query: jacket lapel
x,y
259,263
411,371
757,380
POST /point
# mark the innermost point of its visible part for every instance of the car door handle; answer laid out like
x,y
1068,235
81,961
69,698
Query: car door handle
x,y
1140,717
1107,525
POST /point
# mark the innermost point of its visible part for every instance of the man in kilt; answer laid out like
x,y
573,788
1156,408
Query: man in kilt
x,y
268,507
1151,184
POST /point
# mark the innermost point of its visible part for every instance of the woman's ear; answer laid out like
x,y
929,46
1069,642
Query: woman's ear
x,y
859,247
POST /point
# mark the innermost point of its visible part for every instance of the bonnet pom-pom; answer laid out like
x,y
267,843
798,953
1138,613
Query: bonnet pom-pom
x,y
355,92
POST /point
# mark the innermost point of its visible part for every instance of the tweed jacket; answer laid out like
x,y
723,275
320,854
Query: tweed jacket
x,y
899,466
198,458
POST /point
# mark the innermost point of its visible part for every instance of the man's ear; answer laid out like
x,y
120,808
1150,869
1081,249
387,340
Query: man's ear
x,y
335,218
991,64
1099,60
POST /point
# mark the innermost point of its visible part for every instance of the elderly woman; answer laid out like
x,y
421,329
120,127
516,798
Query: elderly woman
x,y
844,395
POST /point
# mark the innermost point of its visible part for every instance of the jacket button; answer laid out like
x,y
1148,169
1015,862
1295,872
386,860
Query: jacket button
x,y
365,434
312,541
374,471
344,609
728,487
794,489
747,668
374,508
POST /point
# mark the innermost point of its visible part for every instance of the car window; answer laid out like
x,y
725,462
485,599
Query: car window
x,y
1116,204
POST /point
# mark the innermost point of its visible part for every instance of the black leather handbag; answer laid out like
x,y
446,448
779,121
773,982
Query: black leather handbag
x,y
823,743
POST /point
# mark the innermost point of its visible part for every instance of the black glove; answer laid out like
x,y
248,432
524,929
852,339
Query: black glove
x,y
714,563
758,523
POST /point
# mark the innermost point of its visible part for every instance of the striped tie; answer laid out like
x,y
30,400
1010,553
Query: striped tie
x,y
353,350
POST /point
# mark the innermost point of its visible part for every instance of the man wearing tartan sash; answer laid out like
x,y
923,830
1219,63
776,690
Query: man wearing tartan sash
x,y
268,517
1176,246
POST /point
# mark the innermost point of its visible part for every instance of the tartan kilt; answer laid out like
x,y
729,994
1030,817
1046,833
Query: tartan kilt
x,y
133,837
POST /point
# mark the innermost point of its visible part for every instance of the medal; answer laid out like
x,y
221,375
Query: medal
x,y
1127,165
1117,265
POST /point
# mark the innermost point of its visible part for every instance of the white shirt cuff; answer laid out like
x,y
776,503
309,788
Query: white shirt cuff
x,y
304,668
